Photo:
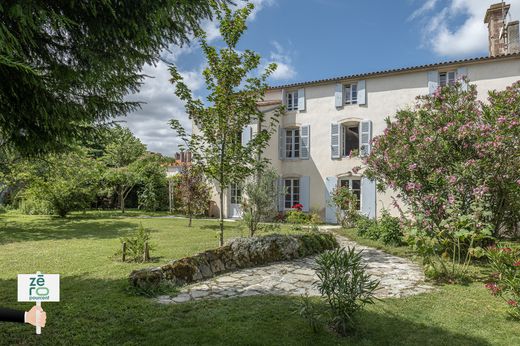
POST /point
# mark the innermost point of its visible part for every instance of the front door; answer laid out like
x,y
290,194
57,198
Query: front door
x,y
235,201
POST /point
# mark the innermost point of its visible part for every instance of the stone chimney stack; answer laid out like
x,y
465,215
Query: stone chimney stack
x,y
503,36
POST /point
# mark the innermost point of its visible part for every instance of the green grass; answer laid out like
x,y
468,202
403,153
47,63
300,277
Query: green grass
x,y
95,308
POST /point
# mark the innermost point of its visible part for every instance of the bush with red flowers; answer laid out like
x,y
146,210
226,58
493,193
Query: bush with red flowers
x,y
297,207
505,281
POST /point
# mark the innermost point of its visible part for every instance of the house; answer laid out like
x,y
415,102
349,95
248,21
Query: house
x,y
329,123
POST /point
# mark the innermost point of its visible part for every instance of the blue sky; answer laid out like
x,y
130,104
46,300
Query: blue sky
x,y
315,39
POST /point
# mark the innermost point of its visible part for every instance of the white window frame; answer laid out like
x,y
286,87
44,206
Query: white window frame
x,y
342,137
350,186
444,78
351,93
293,97
292,143
290,192
235,193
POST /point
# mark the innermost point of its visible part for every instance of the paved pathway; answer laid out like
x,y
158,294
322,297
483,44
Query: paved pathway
x,y
398,276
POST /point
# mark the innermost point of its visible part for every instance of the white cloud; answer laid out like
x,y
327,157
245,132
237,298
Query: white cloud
x,y
283,60
447,39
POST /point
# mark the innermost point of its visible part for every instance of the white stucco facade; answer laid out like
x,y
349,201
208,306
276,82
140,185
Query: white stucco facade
x,y
385,93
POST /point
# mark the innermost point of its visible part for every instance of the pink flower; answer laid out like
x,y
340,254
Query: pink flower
x,y
512,302
493,288
451,199
412,166
356,169
452,179
516,264
413,138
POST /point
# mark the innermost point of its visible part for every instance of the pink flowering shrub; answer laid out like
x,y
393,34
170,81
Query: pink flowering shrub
x,y
505,281
455,161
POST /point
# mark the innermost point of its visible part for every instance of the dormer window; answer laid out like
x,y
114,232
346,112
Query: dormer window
x,y
447,78
351,94
291,100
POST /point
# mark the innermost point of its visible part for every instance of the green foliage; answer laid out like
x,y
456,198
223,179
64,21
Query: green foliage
x,y
259,202
297,217
60,184
345,285
367,227
70,64
390,232
233,95
135,244
505,280
346,204
310,312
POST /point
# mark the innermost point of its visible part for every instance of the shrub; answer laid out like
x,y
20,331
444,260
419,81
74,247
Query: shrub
x,y
135,244
297,217
505,281
390,232
346,286
309,312
366,227
346,204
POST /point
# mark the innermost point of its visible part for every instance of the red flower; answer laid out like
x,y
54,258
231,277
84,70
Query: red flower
x,y
516,264
512,302
298,206
493,288
506,249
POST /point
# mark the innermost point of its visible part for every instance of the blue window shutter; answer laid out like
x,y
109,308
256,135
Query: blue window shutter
x,y
301,99
330,209
305,142
305,192
368,197
281,194
247,134
338,96
334,140
361,93
433,81
463,72
365,137
281,143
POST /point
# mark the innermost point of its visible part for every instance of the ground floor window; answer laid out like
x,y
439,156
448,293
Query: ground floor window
x,y
292,192
355,186
236,194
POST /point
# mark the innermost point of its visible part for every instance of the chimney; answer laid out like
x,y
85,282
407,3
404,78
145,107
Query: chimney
x,y
495,19
513,44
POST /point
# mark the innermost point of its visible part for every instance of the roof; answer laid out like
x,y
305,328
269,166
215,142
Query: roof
x,y
400,70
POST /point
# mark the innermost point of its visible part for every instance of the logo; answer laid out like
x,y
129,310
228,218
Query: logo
x,y
38,287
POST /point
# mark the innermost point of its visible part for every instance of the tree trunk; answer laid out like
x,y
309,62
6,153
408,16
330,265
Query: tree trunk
x,y
189,215
122,200
221,221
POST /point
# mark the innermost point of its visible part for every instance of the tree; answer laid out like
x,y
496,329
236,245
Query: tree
x,y
152,181
233,95
69,64
194,192
452,152
259,202
64,182
120,157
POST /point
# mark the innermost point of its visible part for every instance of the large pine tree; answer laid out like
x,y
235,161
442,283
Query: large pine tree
x,y
65,66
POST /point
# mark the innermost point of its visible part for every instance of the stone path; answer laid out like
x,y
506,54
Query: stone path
x,y
399,277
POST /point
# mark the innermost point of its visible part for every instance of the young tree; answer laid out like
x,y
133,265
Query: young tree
x,y
233,95
195,193
69,64
261,196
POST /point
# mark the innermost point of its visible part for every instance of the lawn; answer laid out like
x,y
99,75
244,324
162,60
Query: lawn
x,y
96,308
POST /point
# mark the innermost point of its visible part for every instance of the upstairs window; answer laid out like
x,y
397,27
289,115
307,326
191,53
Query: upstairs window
x,y
292,143
291,100
354,185
292,192
349,139
447,78
350,94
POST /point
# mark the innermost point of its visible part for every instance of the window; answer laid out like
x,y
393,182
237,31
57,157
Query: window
x,y
236,194
355,186
350,94
447,78
349,138
292,143
292,192
291,100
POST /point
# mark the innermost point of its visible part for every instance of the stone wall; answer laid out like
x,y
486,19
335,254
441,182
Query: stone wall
x,y
238,253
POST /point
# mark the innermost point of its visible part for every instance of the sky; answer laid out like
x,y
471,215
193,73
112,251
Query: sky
x,y
316,39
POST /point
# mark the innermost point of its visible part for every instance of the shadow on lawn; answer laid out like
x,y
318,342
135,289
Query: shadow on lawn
x,y
99,311
58,229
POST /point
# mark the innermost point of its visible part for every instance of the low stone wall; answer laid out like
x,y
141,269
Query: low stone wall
x,y
238,253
